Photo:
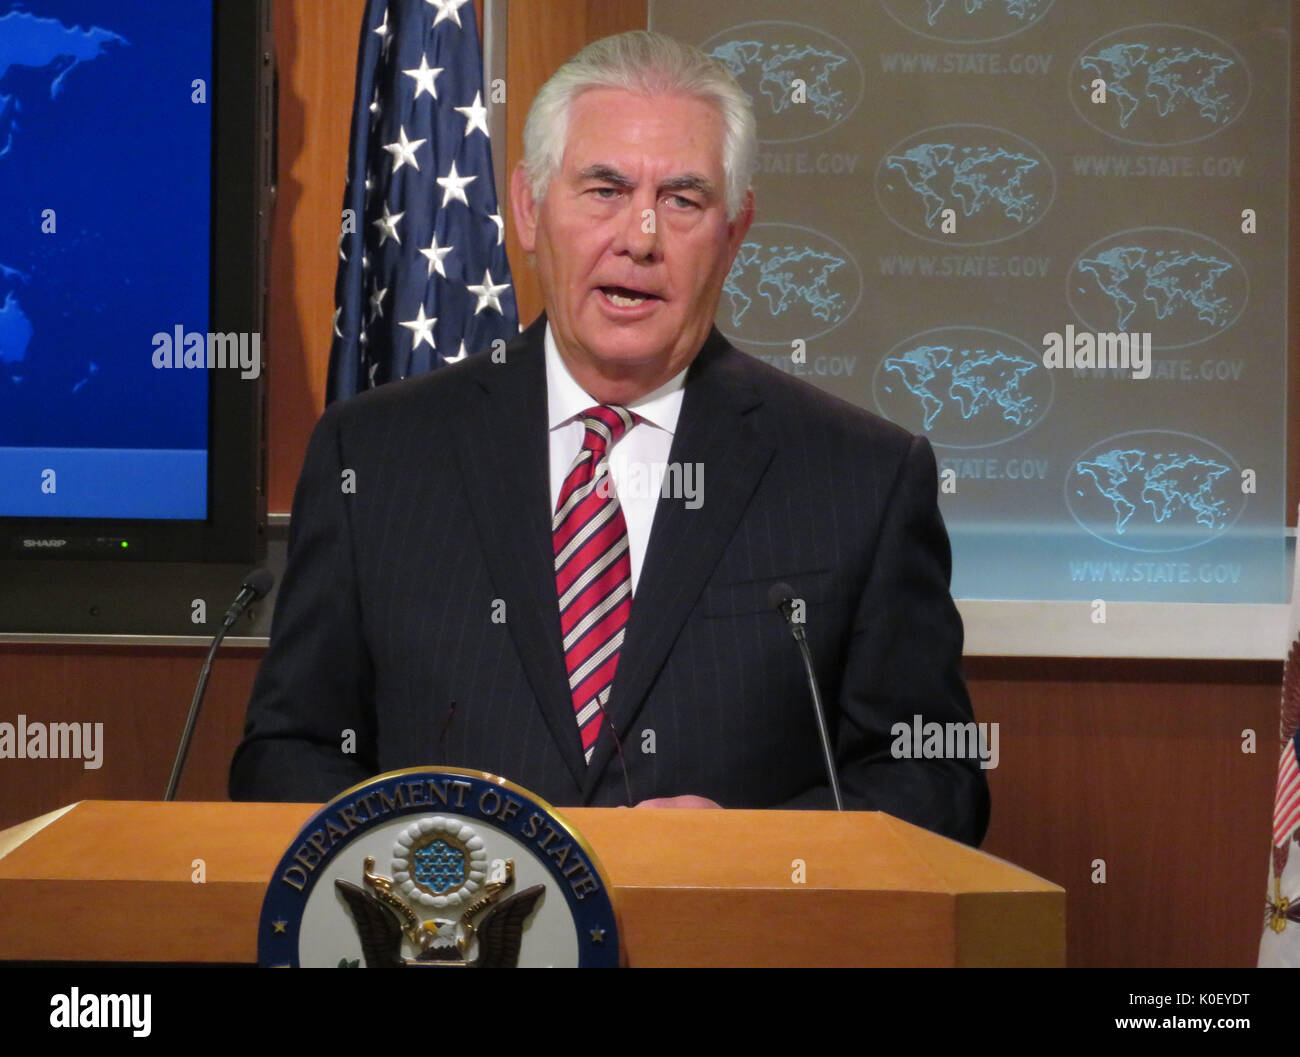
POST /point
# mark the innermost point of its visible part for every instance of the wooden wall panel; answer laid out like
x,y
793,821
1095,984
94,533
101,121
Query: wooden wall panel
x,y
316,49
1140,764
142,696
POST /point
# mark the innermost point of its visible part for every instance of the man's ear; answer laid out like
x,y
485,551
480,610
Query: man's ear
x,y
521,200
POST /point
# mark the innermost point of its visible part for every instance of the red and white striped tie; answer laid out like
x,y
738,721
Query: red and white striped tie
x,y
593,572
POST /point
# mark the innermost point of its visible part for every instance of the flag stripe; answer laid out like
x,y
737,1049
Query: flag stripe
x,y
1286,807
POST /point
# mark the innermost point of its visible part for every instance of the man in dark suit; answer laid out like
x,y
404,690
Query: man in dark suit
x,y
607,643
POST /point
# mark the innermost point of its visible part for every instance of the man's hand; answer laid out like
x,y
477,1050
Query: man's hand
x,y
679,801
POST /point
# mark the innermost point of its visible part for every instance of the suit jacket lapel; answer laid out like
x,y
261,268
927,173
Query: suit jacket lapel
x,y
713,432
504,458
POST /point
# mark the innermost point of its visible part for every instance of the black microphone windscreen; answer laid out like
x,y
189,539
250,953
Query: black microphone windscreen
x,y
259,581
779,594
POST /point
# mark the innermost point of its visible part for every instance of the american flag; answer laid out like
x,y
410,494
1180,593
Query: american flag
x,y
422,276
1280,945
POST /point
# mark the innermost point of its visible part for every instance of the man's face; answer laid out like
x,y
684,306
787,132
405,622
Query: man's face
x,y
631,240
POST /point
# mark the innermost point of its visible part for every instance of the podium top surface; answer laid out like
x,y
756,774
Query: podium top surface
x,y
184,882
109,840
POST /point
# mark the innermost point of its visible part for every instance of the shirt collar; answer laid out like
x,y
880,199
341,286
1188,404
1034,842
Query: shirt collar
x,y
566,399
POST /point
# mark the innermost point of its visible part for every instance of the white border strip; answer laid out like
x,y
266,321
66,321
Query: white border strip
x,y
1132,629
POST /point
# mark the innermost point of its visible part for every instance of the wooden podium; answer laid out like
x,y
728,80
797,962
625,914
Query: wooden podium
x,y
112,881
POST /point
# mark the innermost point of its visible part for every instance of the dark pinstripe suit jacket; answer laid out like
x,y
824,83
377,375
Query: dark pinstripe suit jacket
x,y
389,621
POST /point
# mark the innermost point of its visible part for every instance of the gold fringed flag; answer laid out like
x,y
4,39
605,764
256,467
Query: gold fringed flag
x,y
1280,945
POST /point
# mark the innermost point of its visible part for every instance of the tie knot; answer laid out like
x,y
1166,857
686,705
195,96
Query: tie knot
x,y
604,424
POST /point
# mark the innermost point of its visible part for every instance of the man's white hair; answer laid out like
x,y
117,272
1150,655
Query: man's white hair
x,y
650,64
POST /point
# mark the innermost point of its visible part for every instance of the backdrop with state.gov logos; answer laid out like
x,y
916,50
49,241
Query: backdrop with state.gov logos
x,y
1052,237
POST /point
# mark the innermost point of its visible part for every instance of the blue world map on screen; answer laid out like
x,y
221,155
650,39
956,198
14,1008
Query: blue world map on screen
x,y
105,181
52,51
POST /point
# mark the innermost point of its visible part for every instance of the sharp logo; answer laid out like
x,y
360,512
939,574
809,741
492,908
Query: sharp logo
x,y
29,544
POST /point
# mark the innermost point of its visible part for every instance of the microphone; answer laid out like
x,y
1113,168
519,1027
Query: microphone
x,y
782,598
255,586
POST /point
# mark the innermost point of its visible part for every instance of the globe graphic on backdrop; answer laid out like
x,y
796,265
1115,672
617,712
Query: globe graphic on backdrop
x,y
801,81
964,387
786,283
1155,490
1181,286
1164,85
967,21
997,185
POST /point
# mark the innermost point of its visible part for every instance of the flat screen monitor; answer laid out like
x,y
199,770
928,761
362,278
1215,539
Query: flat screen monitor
x,y
136,179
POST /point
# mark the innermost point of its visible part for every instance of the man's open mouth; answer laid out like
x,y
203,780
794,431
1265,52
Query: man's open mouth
x,y
625,297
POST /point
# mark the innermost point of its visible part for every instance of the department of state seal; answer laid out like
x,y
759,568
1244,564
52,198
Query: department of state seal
x,y
441,868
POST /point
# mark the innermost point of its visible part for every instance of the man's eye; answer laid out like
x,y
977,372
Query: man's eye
x,y
682,202
605,192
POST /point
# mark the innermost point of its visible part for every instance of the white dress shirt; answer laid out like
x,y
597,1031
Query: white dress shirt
x,y
636,463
